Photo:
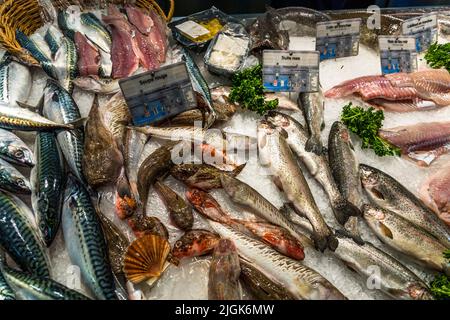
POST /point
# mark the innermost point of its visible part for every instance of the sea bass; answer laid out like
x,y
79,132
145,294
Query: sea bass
x,y
19,238
12,180
435,193
406,237
276,154
15,81
85,240
14,150
223,281
312,105
389,194
302,282
47,179
60,107
317,164
422,142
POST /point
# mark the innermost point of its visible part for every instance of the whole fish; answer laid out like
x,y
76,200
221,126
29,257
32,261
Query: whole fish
x,y
6,293
423,142
31,287
102,159
201,176
65,63
180,211
345,170
262,287
243,194
207,206
394,278
97,85
14,150
12,180
15,81
406,237
142,225
17,118
19,238
47,179
317,164
312,105
386,192
60,107
38,52
195,242
85,240
156,164
435,193
95,31
134,145
89,56
300,21
301,282
276,154
223,280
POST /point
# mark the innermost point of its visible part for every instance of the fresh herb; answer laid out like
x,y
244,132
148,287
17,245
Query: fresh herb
x,y
248,90
440,286
366,123
438,56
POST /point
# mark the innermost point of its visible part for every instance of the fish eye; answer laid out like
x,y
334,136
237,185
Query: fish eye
x,y
20,182
18,154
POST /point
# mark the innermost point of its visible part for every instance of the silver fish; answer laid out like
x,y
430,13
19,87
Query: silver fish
x,y
406,238
277,156
12,180
388,193
65,63
15,81
301,281
312,105
14,150
316,164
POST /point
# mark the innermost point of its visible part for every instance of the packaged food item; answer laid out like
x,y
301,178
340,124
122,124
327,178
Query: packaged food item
x,y
196,30
228,50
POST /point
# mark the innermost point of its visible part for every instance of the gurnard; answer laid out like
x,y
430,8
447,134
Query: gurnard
x,y
277,156
60,107
15,81
301,282
386,192
193,243
422,142
399,92
85,240
317,164
407,238
435,193
47,179
14,150
223,283
19,238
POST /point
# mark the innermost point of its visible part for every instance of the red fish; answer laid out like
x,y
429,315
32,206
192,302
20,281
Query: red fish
x,y
204,203
88,56
148,56
158,37
193,243
139,19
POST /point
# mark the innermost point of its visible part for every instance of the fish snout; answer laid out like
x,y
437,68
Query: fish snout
x,y
372,213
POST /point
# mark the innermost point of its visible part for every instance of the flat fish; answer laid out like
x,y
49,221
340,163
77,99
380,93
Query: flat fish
x,y
423,142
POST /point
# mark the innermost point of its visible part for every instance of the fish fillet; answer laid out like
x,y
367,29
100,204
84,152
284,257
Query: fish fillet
x,y
88,56
139,19
403,105
435,193
158,37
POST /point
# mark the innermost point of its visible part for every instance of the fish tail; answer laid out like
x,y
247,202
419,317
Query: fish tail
x,y
343,209
79,123
313,144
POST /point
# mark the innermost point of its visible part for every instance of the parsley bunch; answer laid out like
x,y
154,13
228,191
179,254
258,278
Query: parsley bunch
x,y
248,90
440,286
365,124
438,56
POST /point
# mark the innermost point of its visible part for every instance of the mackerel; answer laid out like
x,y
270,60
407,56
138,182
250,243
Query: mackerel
x,y
15,81
12,180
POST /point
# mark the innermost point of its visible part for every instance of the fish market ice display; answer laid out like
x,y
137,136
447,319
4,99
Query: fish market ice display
x,y
246,194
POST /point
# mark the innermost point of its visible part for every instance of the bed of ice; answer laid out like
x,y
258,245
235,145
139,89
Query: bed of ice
x,y
189,280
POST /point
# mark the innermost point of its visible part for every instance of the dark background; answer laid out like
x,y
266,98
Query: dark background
x,y
186,7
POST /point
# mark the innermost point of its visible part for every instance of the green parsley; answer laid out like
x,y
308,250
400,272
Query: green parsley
x,y
438,56
248,90
365,124
440,286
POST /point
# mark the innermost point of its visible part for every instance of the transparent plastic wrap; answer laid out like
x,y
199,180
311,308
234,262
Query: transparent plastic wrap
x,y
197,30
228,50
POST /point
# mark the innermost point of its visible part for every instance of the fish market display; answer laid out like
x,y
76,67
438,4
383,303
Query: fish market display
x,y
247,193
435,193
223,283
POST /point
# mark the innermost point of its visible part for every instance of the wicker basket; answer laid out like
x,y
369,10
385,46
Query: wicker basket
x,y
28,15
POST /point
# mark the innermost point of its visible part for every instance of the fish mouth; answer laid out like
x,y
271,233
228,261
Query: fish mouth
x,y
372,213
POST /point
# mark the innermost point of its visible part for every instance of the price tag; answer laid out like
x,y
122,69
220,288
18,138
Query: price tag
x,y
156,95
423,28
398,54
291,71
336,39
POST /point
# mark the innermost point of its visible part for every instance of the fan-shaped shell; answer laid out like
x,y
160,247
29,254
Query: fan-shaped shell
x,y
145,258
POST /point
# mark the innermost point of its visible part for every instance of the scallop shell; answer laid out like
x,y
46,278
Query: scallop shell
x,y
145,258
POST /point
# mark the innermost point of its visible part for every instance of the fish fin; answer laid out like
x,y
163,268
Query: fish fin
x,y
385,230
238,169
79,123
314,145
344,209
28,106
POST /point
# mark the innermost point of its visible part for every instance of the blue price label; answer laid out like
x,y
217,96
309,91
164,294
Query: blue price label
x,y
424,29
397,54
